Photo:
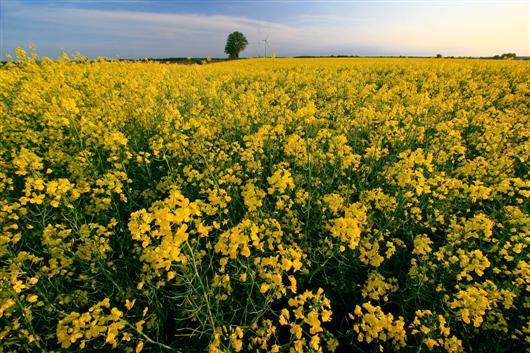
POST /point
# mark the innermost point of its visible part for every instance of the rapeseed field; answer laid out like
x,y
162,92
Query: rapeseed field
x,y
264,205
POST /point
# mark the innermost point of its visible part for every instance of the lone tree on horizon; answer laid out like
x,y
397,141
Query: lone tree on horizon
x,y
235,44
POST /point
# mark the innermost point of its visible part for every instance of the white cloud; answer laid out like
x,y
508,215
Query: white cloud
x,y
140,34
188,34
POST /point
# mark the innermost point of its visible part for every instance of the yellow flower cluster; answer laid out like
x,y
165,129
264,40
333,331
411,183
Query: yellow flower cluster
x,y
280,181
472,304
347,230
305,316
377,287
253,205
163,231
435,332
374,325
94,323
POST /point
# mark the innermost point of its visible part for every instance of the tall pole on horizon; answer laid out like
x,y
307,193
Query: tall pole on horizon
x,y
266,41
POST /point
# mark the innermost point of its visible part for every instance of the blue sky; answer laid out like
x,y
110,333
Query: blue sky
x,y
169,28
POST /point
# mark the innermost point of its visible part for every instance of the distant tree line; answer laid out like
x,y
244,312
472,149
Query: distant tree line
x,y
505,56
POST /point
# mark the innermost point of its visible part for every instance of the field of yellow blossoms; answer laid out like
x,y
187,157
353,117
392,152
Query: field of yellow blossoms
x,y
264,205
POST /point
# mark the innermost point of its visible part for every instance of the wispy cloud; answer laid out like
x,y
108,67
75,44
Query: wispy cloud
x,y
141,33
187,34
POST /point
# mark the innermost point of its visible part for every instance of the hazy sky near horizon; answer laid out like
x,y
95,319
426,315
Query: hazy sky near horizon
x,y
175,28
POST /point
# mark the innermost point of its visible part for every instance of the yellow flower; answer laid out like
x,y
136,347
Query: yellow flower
x,y
253,197
347,230
280,181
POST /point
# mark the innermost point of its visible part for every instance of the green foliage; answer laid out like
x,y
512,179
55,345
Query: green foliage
x,y
505,56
